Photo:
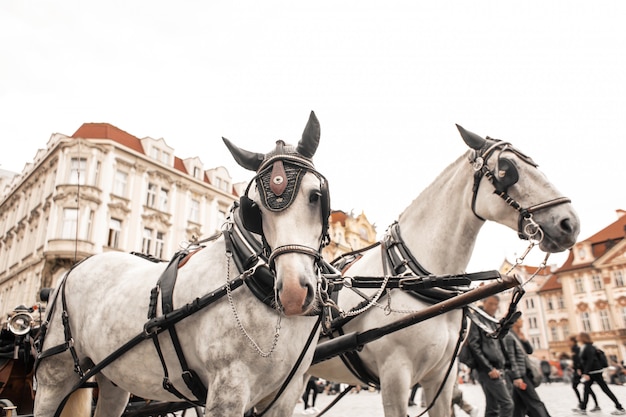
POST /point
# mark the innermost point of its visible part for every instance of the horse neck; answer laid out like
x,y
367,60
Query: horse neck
x,y
439,226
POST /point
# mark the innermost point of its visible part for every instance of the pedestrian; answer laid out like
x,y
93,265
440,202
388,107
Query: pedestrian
x,y
457,399
546,369
525,398
310,392
490,361
412,396
592,372
577,373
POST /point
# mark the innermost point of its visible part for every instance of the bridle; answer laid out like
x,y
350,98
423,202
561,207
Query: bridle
x,y
277,181
503,176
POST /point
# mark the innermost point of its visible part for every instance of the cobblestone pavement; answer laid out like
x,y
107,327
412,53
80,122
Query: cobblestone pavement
x,y
558,397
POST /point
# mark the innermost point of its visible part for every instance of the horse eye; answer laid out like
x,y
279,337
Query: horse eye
x,y
315,197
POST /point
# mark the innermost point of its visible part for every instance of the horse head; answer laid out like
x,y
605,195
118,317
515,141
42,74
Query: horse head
x,y
288,204
519,195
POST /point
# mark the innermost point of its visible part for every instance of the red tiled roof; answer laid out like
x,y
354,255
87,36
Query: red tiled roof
x,y
552,283
614,232
108,131
179,165
338,216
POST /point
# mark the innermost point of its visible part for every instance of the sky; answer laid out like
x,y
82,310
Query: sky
x,y
388,80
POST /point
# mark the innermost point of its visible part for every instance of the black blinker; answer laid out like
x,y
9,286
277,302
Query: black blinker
x,y
505,175
251,215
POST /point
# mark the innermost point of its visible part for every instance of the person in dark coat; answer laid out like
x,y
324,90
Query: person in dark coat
x,y
490,359
592,372
576,376
525,398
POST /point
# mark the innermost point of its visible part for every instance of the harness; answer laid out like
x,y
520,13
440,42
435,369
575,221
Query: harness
x,y
278,180
503,176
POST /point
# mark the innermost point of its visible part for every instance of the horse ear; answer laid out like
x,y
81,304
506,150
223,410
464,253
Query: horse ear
x,y
471,139
310,137
246,159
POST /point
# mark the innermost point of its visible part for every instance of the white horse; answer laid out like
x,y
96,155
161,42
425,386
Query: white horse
x,y
241,349
439,230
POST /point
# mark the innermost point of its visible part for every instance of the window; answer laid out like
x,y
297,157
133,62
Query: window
x,y
151,196
554,333
623,310
146,242
159,243
194,211
604,320
221,218
584,319
532,322
78,170
165,157
95,174
70,220
163,194
115,228
579,285
550,305
530,303
534,340
154,153
561,301
597,282
119,185
565,327
197,173
619,278
87,232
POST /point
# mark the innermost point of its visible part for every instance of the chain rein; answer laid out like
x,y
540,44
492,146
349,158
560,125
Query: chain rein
x,y
242,329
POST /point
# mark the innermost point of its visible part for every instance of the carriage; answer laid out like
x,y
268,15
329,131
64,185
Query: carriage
x,y
271,245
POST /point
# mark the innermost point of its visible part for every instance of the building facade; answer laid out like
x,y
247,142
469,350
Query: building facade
x,y
592,283
102,189
348,233
531,305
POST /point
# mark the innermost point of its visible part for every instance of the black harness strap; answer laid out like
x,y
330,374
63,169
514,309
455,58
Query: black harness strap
x,y
165,285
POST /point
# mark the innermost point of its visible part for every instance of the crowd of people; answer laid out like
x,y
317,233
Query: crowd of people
x,y
508,376
504,369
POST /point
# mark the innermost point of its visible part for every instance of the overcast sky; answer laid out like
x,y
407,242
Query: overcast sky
x,y
388,80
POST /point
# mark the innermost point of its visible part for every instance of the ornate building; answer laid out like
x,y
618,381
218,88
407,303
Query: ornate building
x,y
101,189
348,233
532,305
592,283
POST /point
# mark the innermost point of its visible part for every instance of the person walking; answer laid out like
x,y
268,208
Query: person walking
x,y
490,361
576,375
310,392
592,372
457,399
546,370
525,398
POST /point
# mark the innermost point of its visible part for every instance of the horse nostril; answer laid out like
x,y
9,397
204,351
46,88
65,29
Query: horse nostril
x,y
566,225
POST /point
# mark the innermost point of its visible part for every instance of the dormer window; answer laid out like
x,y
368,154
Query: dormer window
x,y
197,173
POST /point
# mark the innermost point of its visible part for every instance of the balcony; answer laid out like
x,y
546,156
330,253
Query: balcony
x,y
66,248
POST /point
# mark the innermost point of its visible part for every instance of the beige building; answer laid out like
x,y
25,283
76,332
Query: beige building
x,y
101,189
348,233
592,284
532,305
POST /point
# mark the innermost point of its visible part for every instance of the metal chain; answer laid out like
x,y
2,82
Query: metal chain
x,y
373,300
520,260
243,330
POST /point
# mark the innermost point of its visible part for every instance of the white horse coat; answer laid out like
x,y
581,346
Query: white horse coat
x,y
108,295
440,229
